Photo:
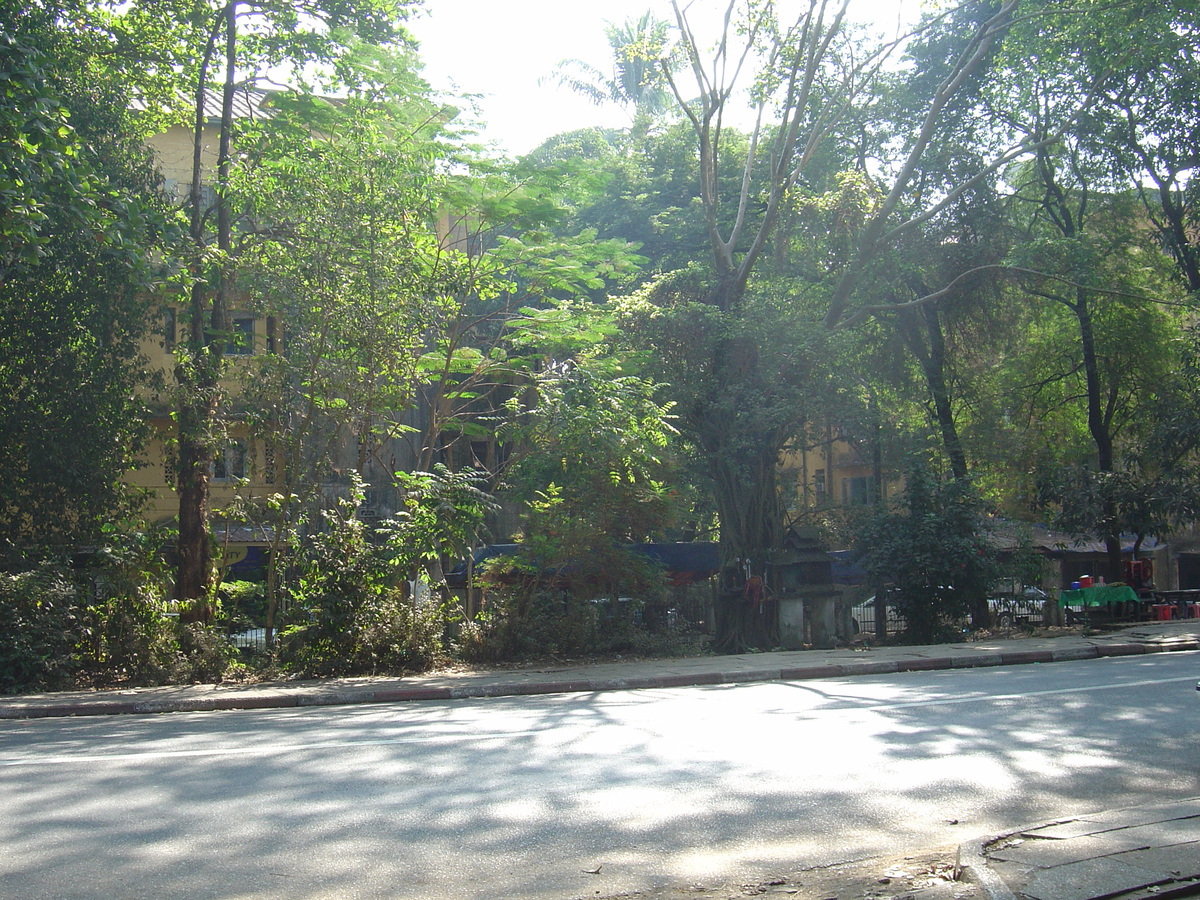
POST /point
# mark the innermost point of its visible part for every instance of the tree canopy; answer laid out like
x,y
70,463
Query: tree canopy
x,y
972,245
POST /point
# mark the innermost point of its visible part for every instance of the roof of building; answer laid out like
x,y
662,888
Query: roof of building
x,y
249,102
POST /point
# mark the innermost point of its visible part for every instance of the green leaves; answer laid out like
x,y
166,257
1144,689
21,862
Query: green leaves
x,y
936,551
82,231
595,441
38,150
443,513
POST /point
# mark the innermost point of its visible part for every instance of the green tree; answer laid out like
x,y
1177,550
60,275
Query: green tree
x,y
237,42
394,278
806,76
649,198
592,432
1084,230
348,258
82,222
962,244
636,82
592,462
1145,121
936,551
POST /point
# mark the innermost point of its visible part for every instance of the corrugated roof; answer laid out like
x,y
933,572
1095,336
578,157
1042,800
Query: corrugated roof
x,y
1010,535
248,102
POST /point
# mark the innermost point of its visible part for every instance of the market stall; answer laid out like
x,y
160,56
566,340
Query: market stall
x,y
1175,605
1115,600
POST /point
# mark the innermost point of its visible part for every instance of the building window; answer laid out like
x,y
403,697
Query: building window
x,y
269,473
242,338
208,196
820,488
230,463
858,491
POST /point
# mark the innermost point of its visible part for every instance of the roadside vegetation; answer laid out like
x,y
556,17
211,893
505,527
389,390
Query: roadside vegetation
x,y
968,253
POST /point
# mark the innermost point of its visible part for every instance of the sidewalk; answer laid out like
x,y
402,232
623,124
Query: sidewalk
x,y
1131,854
1137,853
796,665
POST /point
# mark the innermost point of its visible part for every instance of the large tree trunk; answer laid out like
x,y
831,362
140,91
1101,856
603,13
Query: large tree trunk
x,y
743,460
751,518
927,342
199,378
1100,428
193,577
1179,236
921,329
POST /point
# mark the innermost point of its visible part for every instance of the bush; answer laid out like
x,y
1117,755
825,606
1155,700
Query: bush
x,y
126,636
203,656
101,621
525,622
349,611
38,630
935,550
243,605
381,633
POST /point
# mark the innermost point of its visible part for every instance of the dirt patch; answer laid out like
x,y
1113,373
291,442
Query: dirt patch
x,y
923,876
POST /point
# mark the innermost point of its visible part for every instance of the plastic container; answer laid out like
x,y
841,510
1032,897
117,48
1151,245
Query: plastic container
x,y
1075,585
1085,581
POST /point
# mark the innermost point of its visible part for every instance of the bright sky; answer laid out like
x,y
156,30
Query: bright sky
x,y
500,49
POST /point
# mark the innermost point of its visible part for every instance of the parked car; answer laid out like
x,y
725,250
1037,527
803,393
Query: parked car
x,y
1007,610
1014,609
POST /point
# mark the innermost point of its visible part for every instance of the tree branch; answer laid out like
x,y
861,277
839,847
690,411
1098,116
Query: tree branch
x,y
876,309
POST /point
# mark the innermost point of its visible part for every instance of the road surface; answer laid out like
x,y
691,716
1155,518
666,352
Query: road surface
x,y
580,794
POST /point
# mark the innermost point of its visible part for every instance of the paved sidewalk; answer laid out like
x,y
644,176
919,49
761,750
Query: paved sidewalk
x,y
798,665
1138,853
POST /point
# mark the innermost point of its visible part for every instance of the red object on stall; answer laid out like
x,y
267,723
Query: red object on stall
x,y
1139,574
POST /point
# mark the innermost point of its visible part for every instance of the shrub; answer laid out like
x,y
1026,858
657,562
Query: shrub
x,y
38,629
349,609
126,636
935,550
529,622
102,620
243,605
524,622
203,656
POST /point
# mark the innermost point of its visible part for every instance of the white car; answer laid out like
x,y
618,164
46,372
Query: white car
x,y
1014,609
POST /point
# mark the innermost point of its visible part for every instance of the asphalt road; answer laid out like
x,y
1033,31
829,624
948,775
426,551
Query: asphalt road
x,y
577,795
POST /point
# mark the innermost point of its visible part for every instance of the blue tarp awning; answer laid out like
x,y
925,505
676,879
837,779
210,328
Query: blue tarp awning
x,y
846,569
684,562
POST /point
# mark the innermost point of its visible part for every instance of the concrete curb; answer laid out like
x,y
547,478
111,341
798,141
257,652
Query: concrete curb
x,y
972,866
327,696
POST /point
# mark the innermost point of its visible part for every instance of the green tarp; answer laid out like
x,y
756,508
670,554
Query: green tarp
x,y
1099,595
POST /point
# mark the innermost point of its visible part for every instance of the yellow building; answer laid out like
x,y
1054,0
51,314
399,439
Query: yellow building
x,y
245,467
238,462
831,471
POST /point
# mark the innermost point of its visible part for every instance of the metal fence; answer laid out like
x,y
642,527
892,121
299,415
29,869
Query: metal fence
x,y
863,618
251,639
